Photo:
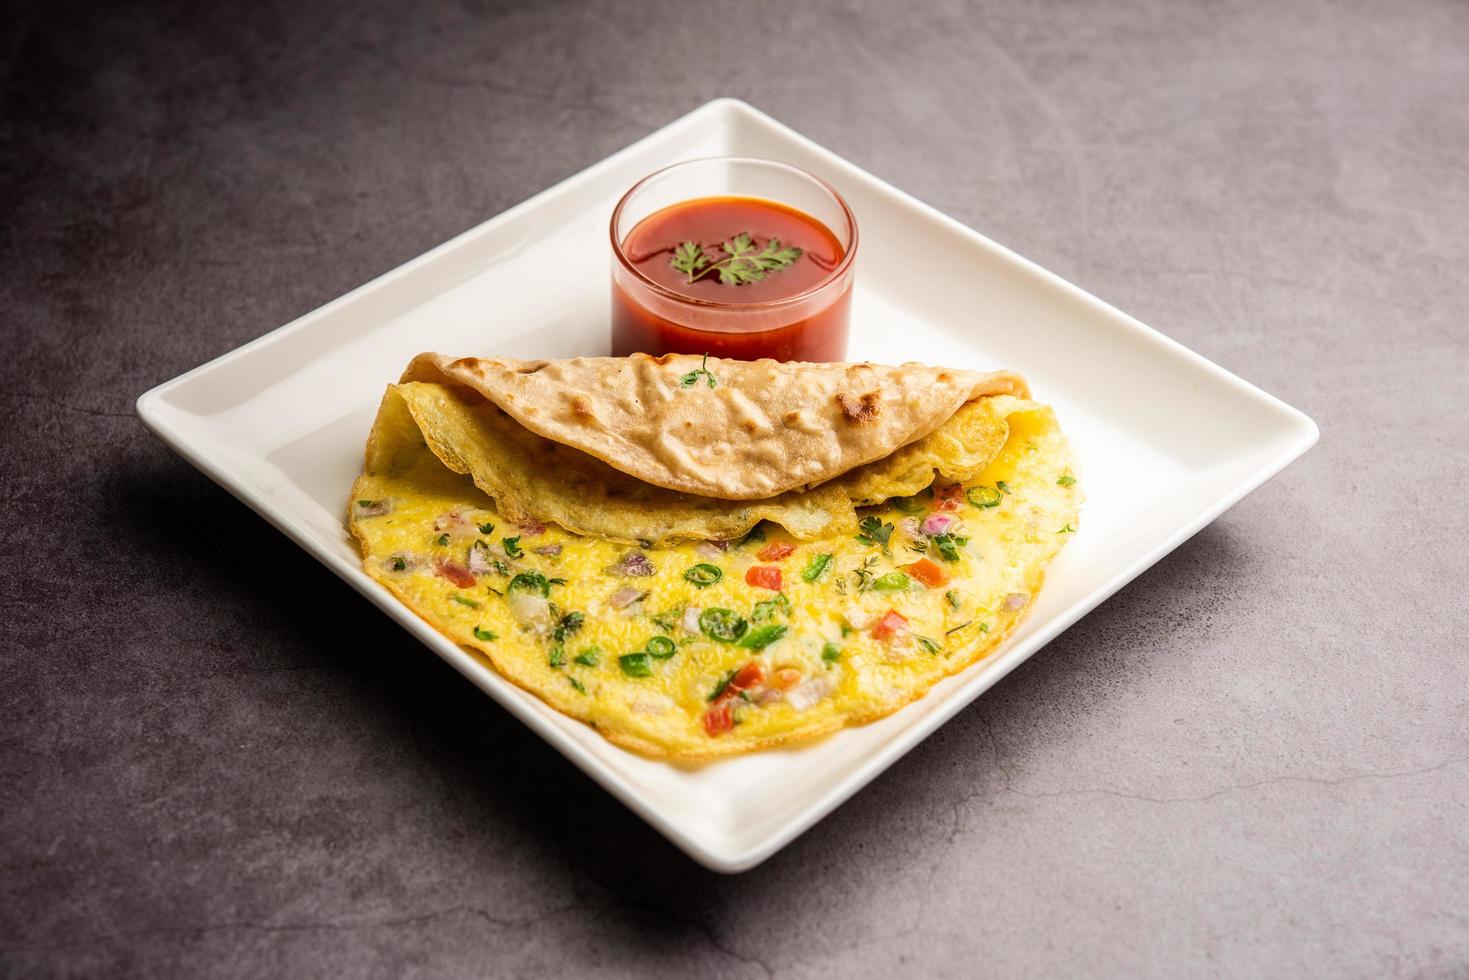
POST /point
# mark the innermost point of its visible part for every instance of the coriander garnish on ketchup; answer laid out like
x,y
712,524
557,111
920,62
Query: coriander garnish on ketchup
x,y
733,274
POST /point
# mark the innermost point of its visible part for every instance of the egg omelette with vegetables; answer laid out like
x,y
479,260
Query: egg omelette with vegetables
x,y
700,557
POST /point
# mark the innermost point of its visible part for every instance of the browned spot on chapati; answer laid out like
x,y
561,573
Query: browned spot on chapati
x,y
861,410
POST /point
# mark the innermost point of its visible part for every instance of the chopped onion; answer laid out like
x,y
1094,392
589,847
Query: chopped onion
x,y
910,527
770,696
624,597
711,549
532,529
803,696
857,617
373,508
634,564
937,524
690,621
481,562
401,561
1016,600
653,704
549,550
531,610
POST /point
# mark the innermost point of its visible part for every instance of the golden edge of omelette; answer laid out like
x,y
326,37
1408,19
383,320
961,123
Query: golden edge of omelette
x,y
838,659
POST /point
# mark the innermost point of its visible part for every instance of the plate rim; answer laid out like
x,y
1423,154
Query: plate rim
x,y
1301,434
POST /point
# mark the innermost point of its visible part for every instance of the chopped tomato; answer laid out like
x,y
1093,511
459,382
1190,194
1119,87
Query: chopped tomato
x,y
928,572
763,577
775,551
891,624
785,678
750,675
457,574
947,497
719,719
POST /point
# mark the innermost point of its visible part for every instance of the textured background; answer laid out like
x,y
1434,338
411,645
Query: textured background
x,y
217,759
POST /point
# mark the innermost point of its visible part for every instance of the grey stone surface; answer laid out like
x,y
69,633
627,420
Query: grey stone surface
x,y
216,759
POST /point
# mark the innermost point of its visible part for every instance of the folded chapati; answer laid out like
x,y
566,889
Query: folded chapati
x,y
734,430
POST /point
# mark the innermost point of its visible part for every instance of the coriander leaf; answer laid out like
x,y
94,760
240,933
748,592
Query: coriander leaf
x,y
947,545
875,532
692,378
530,582
1065,480
689,258
566,626
512,547
767,608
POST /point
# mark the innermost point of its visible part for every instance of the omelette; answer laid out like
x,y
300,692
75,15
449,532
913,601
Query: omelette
x,y
780,550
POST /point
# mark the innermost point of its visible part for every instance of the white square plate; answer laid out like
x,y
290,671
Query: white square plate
x,y
1167,440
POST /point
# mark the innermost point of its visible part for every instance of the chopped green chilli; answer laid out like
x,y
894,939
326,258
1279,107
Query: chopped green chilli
x,y
724,625
759,639
576,684
704,575
442,540
661,647
722,686
1065,480
588,657
927,644
915,504
831,653
816,568
465,601
983,497
952,597
891,582
635,665
480,633
558,656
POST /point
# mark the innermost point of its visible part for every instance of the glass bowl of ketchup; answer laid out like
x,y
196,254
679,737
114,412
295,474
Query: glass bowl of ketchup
x,y
734,257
